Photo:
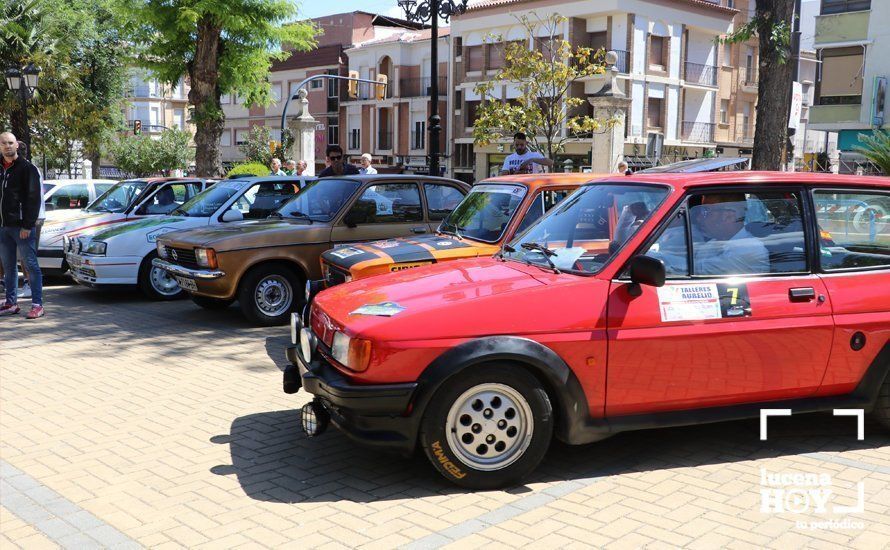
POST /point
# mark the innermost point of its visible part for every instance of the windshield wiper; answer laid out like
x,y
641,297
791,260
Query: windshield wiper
x,y
546,252
278,215
506,248
179,212
298,214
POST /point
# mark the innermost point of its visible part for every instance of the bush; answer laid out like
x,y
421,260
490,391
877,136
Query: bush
x,y
143,156
876,148
248,168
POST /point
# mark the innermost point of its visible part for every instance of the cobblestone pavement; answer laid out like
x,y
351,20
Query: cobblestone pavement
x,y
127,423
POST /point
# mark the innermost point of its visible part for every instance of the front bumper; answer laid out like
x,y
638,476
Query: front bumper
x,y
187,272
100,271
376,416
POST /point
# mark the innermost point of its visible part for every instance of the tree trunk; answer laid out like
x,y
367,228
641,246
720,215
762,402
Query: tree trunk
x,y
204,98
773,97
95,158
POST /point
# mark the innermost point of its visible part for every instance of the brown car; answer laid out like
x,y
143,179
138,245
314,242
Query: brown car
x,y
264,264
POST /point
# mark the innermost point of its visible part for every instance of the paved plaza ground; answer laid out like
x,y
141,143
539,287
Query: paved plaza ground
x,y
127,423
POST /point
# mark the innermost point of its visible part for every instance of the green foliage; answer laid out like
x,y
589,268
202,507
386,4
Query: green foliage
x,y
143,156
249,168
876,148
257,147
544,78
779,33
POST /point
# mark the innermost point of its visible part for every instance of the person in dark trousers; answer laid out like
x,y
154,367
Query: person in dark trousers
x,y
338,166
19,209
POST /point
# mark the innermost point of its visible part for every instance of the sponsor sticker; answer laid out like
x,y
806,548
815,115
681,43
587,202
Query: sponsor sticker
x,y
444,243
346,252
403,267
383,309
385,244
690,302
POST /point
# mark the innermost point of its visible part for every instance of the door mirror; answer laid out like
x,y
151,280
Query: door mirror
x,y
48,205
645,270
232,215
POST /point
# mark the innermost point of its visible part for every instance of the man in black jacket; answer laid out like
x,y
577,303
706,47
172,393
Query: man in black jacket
x,y
19,208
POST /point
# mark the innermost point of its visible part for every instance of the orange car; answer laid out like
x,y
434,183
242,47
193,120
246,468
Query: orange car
x,y
493,212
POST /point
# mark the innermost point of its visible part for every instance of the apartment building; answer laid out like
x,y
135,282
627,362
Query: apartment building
x,y
158,106
685,88
394,130
852,42
340,32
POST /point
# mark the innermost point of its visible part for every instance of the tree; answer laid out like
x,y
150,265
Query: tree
x,y
260,147
772,26
224,46
143,156
545,78
876,148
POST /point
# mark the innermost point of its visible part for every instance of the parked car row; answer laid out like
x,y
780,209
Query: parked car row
x,y
478,323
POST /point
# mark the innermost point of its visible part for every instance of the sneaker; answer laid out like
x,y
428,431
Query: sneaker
x,y
9,309
36,311
25,291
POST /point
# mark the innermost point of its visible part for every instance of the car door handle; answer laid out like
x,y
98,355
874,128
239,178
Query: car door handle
x,y
418,230
802,294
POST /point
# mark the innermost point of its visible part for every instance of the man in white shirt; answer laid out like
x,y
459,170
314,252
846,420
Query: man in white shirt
x,y
523,160
366,165
731,249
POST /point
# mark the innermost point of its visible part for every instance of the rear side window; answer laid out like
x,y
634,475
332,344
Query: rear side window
x,y
542,203
266,197
69,196
394,202
854,229
441,199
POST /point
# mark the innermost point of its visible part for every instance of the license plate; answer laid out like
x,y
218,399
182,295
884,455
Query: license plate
x,y
186,284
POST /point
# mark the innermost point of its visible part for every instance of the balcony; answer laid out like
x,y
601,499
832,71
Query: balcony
x,y
748,79
698,132
384,140
847,26
418,140
703,75
421,87
833,114
744,133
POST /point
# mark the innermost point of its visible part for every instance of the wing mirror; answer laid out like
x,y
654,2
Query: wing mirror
x,y
645,270
232,215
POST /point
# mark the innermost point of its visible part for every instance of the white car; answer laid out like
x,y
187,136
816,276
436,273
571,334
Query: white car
x,y
126,200
63,195
122,254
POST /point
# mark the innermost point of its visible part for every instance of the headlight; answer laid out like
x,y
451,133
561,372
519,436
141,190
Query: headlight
x,y
96,248
307,344
206,257
66,243
78,245
353,353
340,348
347,278
162,251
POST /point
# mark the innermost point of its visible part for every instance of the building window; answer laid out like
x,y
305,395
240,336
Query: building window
x,y
472,106
730,3
841,6
241,136
656,52
727,55
355,139
333,84
225,140
458,100
496,54
546,46
841,82
653,117
724,111
333,131
178,119
418,135
316,84
275,92
475,58
225,99
458,46
154,117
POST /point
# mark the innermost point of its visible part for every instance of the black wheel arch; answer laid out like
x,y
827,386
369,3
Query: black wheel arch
x,y
556,377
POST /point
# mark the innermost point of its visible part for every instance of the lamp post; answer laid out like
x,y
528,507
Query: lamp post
x,y
24,83
421,12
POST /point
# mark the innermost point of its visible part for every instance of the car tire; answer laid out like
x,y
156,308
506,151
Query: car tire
x,y
211,303
488,427
156,283
268,294
881,412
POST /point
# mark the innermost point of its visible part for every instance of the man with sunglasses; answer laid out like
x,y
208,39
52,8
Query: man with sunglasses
x,y
729,248
338,166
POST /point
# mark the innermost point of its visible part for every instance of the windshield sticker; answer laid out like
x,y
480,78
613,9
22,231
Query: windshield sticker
x,y
346,252
566,257
693,302
384,309
506,189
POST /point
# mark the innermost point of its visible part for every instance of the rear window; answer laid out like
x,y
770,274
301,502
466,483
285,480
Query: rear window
x,y
854,229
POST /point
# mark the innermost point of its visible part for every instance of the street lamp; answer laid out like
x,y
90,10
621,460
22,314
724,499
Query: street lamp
x,y
24,83
421,12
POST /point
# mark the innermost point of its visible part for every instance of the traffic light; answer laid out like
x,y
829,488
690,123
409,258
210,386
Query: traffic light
x,y
352,85
137,127
381,87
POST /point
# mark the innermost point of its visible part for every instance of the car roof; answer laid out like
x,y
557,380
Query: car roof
x,y
713,179
81,181
254,179
700,165
390,177
535,181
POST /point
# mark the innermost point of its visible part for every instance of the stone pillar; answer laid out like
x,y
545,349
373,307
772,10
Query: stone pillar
x,y
610,106
303,128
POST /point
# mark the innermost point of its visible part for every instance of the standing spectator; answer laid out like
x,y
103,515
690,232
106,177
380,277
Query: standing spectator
x,y
337,167
19,210
366,165
523,160
276,168
290,168
301,168
25,291
623,168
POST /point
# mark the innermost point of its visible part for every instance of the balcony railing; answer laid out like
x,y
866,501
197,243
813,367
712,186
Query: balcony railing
x,y
384,140
421,87
623,63
748,77
696,73
744,133
418,140
698,132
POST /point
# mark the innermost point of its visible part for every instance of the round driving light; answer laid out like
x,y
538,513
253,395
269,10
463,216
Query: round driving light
x,y
308,291
307,343
314,419
295,325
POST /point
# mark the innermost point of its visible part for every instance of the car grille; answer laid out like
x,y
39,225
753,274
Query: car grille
x,y
182,256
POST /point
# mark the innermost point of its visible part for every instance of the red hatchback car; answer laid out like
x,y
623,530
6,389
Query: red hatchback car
x,y
637,302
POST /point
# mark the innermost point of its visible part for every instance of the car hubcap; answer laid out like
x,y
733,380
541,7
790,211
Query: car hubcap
x,y
273,295
489,426
163,283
